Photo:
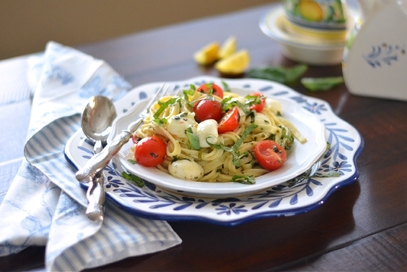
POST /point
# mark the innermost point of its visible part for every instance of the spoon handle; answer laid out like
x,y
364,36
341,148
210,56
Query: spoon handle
x,y
96,199
100,160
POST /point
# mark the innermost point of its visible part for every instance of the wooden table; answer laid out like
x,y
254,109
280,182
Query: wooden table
x,y
362,226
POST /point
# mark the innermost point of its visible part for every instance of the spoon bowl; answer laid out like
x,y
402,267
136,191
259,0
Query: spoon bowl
x,y
97,119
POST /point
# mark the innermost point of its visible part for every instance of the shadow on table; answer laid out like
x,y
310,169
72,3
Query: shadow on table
x,y
269,243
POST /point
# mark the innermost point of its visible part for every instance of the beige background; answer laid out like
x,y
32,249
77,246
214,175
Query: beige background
x,y
27,25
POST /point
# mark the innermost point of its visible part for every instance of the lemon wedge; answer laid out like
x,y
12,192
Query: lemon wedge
x,y
235,64
208,54
228,48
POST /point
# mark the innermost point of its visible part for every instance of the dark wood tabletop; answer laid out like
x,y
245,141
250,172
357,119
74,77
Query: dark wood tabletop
x,y
361,226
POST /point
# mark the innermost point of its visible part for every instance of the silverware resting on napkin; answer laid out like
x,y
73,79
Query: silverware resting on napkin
x,y
97,119
99,161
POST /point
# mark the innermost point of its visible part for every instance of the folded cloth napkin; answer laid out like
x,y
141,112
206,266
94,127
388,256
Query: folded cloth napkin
x,y
45,204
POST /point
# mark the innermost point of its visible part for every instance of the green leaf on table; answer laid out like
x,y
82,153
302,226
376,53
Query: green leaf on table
x,y
279,74
322,83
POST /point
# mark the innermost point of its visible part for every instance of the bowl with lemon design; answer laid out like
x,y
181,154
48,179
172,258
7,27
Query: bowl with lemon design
x,y
308,33
317,14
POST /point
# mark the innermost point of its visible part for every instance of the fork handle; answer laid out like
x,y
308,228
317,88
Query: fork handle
x,y
99,161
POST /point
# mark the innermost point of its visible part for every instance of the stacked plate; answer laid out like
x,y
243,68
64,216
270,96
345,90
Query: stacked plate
x,y
305,43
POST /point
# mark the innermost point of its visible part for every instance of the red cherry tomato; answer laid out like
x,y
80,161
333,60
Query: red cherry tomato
x,y
208,109
229,121
210,88
150,151
270,155
258,107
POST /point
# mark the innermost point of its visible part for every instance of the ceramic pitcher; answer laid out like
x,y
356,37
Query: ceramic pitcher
x,y
375,59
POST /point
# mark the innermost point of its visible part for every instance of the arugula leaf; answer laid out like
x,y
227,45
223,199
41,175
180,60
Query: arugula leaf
x,y
322,83
279,74
134,179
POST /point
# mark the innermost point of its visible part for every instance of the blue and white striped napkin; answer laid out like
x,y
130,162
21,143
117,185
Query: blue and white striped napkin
x,y
45,204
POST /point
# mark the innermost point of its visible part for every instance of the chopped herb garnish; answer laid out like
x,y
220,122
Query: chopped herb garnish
x,y
164,105
161,121
253,100
244,179
132,161
245,133
226,87
234,149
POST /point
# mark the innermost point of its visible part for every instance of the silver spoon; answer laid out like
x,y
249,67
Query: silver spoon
x,y
97,119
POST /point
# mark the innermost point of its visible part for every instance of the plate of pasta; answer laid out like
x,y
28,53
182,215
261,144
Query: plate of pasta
x,y
205,162
321,159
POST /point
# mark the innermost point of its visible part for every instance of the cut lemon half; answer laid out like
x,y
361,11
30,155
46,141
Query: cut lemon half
x,y
228,48
237,63
208,54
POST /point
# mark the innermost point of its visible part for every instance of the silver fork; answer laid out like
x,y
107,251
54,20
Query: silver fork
x,y
99,161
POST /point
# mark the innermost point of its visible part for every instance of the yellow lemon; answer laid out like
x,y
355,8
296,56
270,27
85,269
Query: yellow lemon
x,y
208,54
237,63
311,11
228,48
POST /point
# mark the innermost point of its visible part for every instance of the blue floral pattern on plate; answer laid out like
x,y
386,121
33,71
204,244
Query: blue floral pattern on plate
x,y
337,167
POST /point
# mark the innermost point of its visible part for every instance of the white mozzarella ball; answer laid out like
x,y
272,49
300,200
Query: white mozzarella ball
x,y
205,129
178,124
186,169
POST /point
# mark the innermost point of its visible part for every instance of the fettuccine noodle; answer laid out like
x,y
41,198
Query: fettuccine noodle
x,y
229,154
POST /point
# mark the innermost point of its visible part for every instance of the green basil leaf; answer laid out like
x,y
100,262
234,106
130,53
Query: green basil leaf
x,y
279,74
134,179
322,83
193,139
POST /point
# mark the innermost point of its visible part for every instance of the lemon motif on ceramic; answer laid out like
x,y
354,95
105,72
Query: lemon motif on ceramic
x,y
310,10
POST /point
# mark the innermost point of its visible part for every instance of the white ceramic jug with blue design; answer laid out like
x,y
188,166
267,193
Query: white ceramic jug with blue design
x,y
375,58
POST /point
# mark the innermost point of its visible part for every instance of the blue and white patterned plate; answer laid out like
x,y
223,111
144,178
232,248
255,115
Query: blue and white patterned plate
x,y
336,168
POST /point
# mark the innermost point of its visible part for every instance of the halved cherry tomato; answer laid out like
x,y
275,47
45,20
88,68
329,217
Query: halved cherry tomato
x,y
211,88
270,155
150,151
258,107
229,121
208,109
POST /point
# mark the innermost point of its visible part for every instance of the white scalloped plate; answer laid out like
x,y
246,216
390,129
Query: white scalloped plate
x,y
300,158
284,198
